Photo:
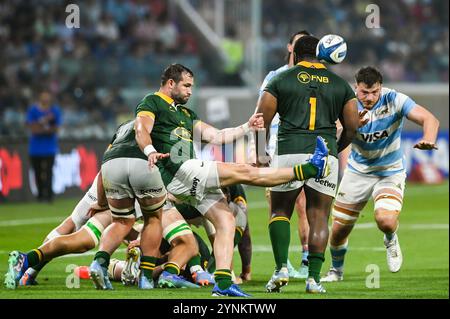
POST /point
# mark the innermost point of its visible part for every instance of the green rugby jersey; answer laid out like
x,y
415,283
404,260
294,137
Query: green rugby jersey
x,y
172,131
310,99
124,144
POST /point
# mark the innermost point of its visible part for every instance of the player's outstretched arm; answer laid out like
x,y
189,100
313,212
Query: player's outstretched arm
x,y
210,134
349,119
430,125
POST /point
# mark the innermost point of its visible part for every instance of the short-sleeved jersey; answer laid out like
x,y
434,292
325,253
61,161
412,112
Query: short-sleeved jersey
x,y
310,99
123,144
172,131
377,147
44,144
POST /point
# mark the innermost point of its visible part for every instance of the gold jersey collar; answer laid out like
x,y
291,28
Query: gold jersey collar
x,y
307,64
166,98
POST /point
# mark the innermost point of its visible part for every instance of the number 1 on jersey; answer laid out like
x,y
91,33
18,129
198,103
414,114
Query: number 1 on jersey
x,y
312,118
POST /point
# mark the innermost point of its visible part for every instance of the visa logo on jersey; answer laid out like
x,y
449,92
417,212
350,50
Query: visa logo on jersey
x,y
373,137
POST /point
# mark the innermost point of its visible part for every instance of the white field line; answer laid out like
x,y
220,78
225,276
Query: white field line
x,y
255,249
32,221
443,189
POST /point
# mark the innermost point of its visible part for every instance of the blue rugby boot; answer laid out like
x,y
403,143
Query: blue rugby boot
x,y
168,280
145,283
320,158
232,291
99,276
17,265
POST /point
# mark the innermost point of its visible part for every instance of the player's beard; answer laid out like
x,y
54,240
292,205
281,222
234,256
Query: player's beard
x,y
179,99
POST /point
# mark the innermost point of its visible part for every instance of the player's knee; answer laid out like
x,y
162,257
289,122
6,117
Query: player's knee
x,y
226,223
387,220
338,235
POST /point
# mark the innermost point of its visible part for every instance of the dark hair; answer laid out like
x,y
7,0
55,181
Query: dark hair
x,y
303,32
305,47
174,72
291,40
369,75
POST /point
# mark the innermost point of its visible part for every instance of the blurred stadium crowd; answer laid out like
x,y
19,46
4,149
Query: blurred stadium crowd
x,y
126,43
411,45
119,44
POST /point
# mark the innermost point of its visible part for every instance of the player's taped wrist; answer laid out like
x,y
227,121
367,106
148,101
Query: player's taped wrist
x,y
149,149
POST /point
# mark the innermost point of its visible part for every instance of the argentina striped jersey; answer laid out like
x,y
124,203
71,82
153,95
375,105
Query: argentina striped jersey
x,y
272,145
376,149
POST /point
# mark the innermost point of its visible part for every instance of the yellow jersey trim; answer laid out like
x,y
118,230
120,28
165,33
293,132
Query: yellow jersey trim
x,y
166,98
146,113
312,65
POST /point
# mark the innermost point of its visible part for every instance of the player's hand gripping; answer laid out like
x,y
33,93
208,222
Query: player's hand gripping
x,y
154,157
425,145
256,121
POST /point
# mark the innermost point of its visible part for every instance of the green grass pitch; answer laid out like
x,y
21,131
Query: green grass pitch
x,y
423,235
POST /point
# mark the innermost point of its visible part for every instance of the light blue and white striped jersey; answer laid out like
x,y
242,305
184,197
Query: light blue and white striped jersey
x,y
376,149
272,145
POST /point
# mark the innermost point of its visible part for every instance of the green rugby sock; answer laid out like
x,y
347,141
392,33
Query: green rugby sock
x,y
41,265
223,278
34,257
315,261
305,171
280,236
194,264
212,264
172,268
147,266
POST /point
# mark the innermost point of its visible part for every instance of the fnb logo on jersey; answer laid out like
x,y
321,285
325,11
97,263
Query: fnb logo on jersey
x,y
373,137
182,133
304,77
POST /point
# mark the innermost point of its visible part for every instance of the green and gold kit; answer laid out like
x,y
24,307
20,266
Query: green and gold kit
x,y
310,99
124,144
172,131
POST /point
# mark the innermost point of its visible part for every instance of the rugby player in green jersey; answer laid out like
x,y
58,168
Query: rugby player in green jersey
x,y
309,99
165,130
124,178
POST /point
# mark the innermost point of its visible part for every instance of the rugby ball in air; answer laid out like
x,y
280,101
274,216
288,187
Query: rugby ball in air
x,y
332,49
